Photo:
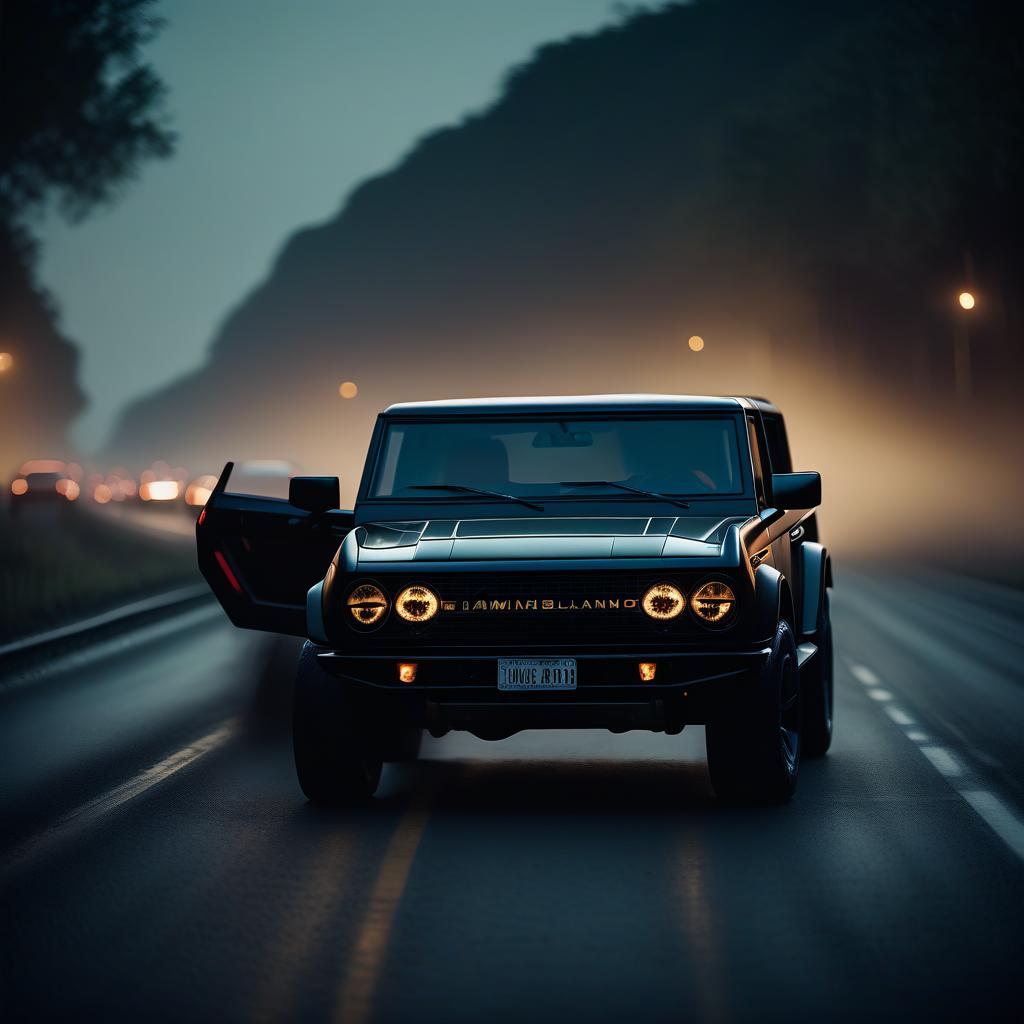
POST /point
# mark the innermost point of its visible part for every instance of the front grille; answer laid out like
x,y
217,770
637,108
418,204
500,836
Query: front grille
x,y
537,609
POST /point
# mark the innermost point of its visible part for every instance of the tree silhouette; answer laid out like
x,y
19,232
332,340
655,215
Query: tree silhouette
x,y
82,110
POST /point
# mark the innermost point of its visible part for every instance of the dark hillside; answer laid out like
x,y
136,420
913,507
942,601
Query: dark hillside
x,y
799,183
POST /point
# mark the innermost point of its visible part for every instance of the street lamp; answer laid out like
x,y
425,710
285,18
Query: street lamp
x,y
962,349
6,361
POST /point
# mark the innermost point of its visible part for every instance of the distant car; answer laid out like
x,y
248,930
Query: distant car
x,y
619,562
198,492
46,480
161,490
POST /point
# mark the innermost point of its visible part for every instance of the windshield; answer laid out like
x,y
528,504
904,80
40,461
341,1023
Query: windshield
x,y
689,456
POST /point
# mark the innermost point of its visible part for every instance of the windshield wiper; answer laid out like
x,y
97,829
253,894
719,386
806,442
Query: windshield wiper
x,y
474,490
624,487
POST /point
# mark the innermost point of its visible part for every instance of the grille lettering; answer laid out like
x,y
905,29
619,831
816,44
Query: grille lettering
x,y
544,604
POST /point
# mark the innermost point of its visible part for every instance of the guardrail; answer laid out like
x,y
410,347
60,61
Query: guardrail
x,y
123,616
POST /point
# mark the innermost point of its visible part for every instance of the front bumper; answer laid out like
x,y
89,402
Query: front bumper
x,y
460,692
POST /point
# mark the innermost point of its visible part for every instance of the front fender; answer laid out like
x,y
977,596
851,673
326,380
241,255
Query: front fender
x,y
817,577
773,597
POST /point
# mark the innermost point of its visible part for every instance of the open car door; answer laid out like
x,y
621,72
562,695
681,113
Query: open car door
x,y
261,555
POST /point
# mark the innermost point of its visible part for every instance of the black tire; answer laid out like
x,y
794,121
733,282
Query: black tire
x,y
754,755
337,756
818,690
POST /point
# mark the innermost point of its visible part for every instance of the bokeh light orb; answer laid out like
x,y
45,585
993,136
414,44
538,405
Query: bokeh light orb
x,y
966,300
348,389
696,343
6,361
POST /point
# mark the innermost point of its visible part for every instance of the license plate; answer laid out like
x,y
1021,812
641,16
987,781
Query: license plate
x,y
536,673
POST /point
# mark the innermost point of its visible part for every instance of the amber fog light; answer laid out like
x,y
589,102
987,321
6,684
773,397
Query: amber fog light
x,y
367,604
647,670
714,602
407,671
417,604
663,602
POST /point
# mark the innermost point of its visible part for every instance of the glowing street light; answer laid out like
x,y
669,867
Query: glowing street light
x,y
6,361
966,300
696,343
348,389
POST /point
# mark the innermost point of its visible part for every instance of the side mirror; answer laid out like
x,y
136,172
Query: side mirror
x,y
796,490
314,493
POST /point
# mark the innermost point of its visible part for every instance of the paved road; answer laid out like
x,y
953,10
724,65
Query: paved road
x,y
161,864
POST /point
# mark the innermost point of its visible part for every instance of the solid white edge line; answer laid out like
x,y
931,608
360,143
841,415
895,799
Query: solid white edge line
x,y
88,813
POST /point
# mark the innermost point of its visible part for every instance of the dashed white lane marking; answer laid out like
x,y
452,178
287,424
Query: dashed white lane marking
x,y
88,813
943,760
864,675
899,716
1000,818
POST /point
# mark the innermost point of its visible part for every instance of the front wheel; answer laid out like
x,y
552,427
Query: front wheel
x,y
337,755
754,755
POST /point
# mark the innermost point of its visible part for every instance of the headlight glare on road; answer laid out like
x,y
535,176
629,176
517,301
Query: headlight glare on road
x,y
367,604
663,602
417,604
713,603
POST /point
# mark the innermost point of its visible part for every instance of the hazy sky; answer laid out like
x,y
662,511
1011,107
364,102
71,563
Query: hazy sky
x,y
281,108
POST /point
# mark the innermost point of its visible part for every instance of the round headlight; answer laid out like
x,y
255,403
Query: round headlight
x,y
417,604
367,604
713,602
663,602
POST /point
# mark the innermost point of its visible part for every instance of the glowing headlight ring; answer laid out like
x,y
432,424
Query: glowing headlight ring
x,y
713,603
664,602
417,604
367,604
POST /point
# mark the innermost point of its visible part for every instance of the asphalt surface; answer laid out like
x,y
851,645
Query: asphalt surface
x,y
160,863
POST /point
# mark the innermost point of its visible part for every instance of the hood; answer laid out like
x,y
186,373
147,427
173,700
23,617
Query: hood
x,y
472,540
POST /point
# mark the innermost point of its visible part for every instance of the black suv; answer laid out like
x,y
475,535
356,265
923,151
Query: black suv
x,y
617,562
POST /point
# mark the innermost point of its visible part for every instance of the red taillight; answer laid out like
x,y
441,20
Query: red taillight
x,y
228,574
202,516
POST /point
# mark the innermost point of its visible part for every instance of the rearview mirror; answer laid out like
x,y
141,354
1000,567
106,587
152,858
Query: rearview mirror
x,y
314,493
796,490
563,439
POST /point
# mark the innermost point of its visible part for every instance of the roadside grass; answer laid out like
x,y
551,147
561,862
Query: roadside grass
x,y
63,563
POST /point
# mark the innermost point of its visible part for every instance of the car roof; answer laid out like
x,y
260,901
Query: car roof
x,y
572,405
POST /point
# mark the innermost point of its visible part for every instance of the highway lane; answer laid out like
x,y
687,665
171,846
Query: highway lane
x,y
160,861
